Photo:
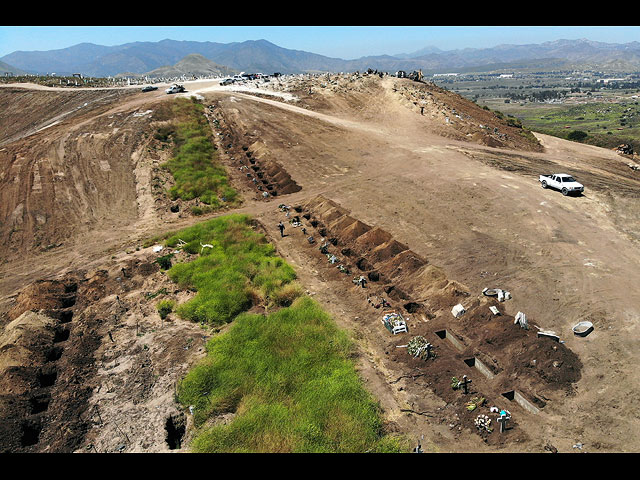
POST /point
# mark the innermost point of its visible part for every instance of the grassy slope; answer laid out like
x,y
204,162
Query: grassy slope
x,y
289,376
240,269
194,165
289,379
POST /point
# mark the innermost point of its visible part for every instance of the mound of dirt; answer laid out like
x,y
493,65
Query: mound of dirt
x,y
373,249
39,383
44,295
441,111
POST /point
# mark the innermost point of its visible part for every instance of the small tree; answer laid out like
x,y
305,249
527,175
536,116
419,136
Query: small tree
x,y
165,261
165,307
577,136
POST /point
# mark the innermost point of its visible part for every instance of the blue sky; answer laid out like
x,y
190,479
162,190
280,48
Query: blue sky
x,y
334,41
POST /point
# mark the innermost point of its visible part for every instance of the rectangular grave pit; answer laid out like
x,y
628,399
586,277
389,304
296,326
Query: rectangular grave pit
x,y
517,397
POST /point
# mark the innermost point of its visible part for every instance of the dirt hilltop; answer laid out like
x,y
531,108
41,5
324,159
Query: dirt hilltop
x,y
429,196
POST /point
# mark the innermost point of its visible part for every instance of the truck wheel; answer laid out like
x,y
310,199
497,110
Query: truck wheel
x,y
544,184
565,192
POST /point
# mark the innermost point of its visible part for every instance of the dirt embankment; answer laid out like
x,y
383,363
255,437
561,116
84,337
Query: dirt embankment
x,y
28,111
76,177
375,99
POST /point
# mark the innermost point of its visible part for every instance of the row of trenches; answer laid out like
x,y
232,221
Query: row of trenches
x,y
31,349
56,352
509,366
269,178
47,365
264,176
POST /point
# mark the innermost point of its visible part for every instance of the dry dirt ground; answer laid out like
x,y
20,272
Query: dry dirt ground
x,y
429,196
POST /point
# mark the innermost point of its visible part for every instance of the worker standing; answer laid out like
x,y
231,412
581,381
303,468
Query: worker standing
x,y
281,227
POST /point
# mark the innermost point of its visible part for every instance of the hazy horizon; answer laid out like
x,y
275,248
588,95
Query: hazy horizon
x,y
345,42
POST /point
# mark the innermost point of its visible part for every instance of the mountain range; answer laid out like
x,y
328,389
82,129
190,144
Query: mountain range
x,y
266,57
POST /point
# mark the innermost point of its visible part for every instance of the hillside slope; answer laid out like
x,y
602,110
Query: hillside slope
x,y
430,211
192,65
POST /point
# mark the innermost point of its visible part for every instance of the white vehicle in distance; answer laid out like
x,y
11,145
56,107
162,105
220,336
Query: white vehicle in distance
x,y
563,182
175,89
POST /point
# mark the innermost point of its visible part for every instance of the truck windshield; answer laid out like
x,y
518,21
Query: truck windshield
x,y
567,179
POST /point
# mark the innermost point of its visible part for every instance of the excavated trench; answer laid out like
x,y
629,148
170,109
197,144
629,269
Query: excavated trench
x,y
46,363
504,357
176,427
33,345
251,164
53,355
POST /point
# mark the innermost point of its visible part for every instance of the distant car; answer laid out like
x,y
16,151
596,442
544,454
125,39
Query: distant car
x,y
226,81
149,88
175,89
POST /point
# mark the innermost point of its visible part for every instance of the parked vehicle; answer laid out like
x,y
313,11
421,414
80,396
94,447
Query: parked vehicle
x,y
563,182
175,89
149,88
226,81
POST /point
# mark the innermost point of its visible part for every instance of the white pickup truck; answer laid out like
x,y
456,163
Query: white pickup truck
x,y
563,182
175,88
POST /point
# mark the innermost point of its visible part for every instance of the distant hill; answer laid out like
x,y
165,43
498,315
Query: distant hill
x,y
265,57
193,64
5,69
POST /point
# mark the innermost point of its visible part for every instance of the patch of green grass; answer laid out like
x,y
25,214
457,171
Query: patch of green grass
x,y
290,379
238,270
194,164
